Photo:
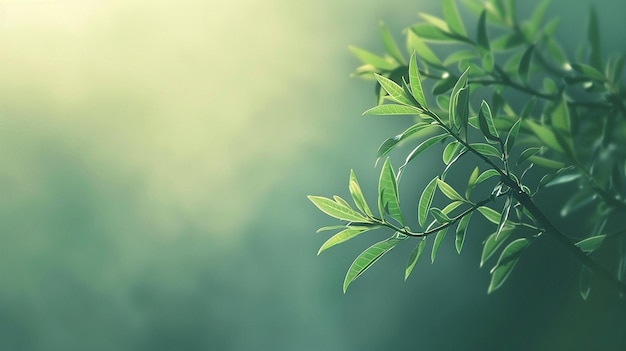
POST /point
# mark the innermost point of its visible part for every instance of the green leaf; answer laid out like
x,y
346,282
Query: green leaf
x,y
476,179
332,227
396,93
451,15
372,59
451,207
425,200
344,236
584,284
507,41
577,201
504,215
547,163
589,71
462,110
526,154
444,85
488,61
393,109
391,143
545,135
423,147
357,195
486,150
336,210
492,243
563,179
341,201
490,214
390,44
461,230
483,39
457,56
510,138
388,193
537,16
438,239
449,191
429,32
593,36
461,83
436,21
591,244
524,64
509,257
471,182
416,83
416,44
440,217
450,151
485,121
413,257
367,258
560,116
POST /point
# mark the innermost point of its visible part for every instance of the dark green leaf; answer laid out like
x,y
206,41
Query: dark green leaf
x,y
336,210
438,239
367,258
504,215
589,71
390,44
413,257
486,150
440,217
585,282
524,64
545,135
485,121
526,154
416,83
461,230
392,109
537,17
577,201
357,195
510,138
425,200
563,179
343,236
416,44
593,36
591,244
388,193
483,39
509,257
444,85
492,243
372,59
451,15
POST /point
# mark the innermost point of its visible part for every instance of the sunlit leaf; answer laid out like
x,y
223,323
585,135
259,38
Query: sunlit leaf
x,y
471,182
508,259
391,143
423,147
372,59
332,227
395,91
341,201
449,191
461,230
490,214
429,32
416,83
461,83
451,207
390,44
438,239
344,236
492,243
388,193
591,244
414,257
537,16
439,216
436,21
416,44
425,201
486,149
367,258
357,195
450,151
451,15
392,109
336,210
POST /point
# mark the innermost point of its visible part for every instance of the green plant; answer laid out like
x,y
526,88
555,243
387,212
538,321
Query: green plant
x,y
550,123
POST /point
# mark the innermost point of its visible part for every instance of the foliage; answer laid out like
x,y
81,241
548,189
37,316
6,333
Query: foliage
x,y
570,130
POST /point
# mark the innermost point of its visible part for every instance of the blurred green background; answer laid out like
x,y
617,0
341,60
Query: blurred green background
x,y
154,162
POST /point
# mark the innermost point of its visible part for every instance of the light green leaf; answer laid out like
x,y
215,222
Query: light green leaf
x,y
504,215
560,116
390,44
451,15
332,227
451,207
390,143
367,258
448,191
461,230
341,201
563,179
440,217
413,257
547,163
416,83
492,243
357,195
486,150
490,214
475,180
344,236
509,257
457,56
438,239
388,193
396,93
545,135
471,182
372,59
429,32
526,154
415,44
436,21
537,17
591,244
393,109
336,210
461,111
423,147
507,41
450,151
461,83
425,200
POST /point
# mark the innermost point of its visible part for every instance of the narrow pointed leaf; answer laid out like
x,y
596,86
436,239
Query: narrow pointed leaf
x,y
415,44
341,201
436,21
485,121
561,119
425,201
483,39
343,236
451,15
471,182
547,163
444,85
504,215
390,44
392,109
508,259
423,147
510,138
450,151
372,59
367,258
524,64
486,149
413,258
388,192
416,83
438,239
492,244
336,210
391,143
526,154
490,214
461,230
332,227
545,135
357,195
591,244
593,36
448,191
395,91
440,217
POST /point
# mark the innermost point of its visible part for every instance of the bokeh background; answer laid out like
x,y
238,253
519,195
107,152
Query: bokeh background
x,y
155,158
